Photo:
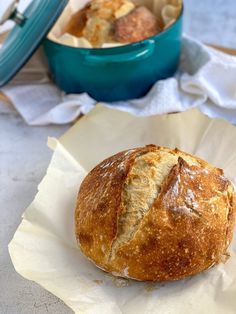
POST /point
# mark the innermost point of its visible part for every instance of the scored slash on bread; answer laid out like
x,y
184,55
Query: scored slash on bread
x,y
155,214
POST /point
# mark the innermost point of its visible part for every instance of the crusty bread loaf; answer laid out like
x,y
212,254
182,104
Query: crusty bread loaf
x,y
155,214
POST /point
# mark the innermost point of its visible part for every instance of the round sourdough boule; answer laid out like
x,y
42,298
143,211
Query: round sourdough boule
x,y
155,214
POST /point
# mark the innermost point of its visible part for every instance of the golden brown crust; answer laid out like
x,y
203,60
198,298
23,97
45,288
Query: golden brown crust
x,y
77,23
186,228
136,26
97,212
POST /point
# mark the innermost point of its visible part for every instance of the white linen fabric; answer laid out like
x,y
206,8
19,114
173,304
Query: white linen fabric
x,y
206,79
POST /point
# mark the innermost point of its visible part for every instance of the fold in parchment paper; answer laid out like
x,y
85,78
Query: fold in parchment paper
x,y
166,10
44,248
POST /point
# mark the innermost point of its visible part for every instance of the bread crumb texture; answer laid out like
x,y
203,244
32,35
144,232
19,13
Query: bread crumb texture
x,y
155,214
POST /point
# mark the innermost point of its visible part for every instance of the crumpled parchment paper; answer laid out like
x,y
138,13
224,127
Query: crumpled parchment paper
x,y
44,248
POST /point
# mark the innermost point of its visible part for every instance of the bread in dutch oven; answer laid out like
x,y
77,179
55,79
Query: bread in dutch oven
x,y
155,214
113,21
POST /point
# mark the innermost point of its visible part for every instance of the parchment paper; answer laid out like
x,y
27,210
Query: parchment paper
x,y
44,249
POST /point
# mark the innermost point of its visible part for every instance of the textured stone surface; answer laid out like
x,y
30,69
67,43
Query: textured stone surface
x,y
24,157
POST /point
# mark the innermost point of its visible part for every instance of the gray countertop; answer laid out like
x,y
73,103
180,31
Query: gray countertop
x,y
24,157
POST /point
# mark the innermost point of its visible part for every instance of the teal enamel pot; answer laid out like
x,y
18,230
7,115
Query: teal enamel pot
x,y
109,74
119,73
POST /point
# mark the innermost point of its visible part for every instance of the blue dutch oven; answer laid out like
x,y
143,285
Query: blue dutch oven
x,y
107,74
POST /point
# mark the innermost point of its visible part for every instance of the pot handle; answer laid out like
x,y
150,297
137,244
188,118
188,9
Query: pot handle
x,y
141,53
9,12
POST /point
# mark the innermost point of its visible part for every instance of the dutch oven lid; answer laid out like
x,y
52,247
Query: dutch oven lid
x,y
25,37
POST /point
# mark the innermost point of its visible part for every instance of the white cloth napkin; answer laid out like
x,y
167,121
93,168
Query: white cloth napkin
x,y
206,79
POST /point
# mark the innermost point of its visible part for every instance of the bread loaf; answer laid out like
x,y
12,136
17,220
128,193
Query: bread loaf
x,y
155,214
